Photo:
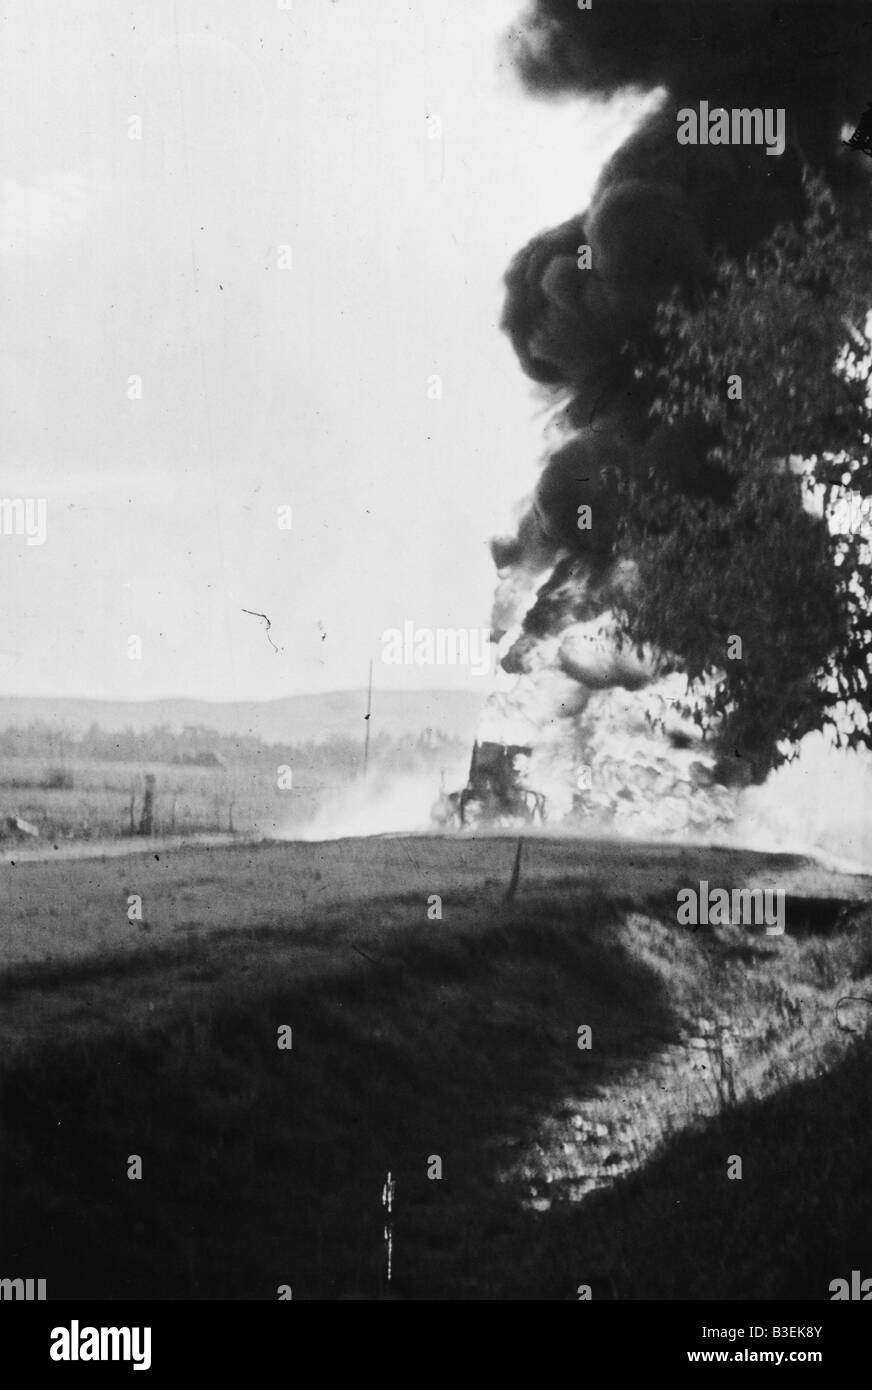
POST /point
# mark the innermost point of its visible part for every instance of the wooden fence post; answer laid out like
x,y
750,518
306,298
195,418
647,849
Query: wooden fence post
x,y
146,820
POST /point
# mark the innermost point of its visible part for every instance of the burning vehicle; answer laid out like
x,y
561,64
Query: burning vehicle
x,y
583,312
619,737
495,793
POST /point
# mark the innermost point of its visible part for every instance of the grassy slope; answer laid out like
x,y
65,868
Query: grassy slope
x,y
456,1038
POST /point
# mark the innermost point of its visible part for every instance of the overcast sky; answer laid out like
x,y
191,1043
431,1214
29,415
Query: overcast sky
x,y
158,257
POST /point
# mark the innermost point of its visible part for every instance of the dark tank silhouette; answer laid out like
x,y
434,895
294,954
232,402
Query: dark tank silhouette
x,y
495,793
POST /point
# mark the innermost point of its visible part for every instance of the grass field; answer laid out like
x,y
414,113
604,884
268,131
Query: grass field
x,y
415,1038
105,798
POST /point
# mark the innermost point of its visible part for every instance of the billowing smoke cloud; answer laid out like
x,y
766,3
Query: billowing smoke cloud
x,y
660,215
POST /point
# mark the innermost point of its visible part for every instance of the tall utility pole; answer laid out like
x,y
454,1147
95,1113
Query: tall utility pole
x,y
367,718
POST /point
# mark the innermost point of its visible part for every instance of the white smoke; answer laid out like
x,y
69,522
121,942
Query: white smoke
x,y
819,804
379,804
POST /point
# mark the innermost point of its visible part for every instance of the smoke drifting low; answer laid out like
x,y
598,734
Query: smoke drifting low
x,y
660,216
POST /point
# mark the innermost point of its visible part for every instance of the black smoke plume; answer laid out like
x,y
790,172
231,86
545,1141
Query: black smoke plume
x,y
660,216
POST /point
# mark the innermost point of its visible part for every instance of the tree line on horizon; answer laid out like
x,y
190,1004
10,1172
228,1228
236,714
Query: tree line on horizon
x,y
198,745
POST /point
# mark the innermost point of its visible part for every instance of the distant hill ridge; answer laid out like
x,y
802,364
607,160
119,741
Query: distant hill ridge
x,y
294,718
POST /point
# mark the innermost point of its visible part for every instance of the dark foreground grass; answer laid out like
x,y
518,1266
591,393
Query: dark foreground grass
x,y
263,1167
800,1216
411,1039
